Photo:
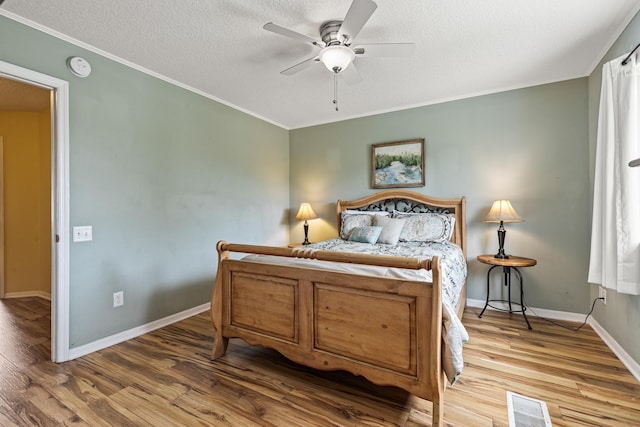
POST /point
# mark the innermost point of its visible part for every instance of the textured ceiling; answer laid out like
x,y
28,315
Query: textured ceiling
x,y
463,48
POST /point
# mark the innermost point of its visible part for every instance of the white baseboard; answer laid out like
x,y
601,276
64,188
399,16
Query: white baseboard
x,y
624,357
617,349
28,294
102,343
135,332
537,312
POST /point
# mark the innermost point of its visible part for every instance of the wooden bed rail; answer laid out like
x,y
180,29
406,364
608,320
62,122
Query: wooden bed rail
x,y
225,248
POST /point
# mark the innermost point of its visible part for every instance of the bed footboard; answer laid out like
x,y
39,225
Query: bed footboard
x,y
387,330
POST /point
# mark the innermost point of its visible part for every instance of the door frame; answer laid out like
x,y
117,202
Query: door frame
x,y
1,216
59,201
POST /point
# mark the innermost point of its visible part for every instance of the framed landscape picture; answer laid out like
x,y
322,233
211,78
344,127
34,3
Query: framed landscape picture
x,y
398,164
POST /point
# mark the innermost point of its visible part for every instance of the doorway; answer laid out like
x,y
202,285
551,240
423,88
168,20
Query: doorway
x,y
25,190
59,107
1,216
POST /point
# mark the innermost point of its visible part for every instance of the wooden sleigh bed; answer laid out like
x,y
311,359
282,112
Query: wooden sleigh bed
x,y
389,330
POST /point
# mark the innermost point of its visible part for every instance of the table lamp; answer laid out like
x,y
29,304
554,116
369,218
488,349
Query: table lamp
x,y
501,211
305,213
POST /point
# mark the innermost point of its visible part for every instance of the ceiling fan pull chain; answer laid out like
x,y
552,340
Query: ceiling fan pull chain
x,y
335,90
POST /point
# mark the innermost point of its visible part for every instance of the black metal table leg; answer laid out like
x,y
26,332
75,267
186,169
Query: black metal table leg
x,y
486,304
524,309
507,282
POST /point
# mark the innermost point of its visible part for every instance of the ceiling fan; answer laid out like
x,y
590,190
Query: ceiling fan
x,y
336,49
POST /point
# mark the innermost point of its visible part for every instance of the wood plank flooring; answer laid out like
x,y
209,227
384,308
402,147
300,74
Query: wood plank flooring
x,y
166,378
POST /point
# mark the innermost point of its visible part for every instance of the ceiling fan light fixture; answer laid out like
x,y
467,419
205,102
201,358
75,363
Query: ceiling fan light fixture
x,y
336,58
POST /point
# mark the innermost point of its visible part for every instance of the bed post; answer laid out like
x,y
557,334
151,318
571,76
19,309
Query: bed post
x,y
437,372
220,343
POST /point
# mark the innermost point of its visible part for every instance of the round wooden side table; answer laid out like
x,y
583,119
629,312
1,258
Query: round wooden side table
x,y
507,264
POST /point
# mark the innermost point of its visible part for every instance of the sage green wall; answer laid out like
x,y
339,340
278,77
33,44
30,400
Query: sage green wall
x,y
161,174
621,316
528,145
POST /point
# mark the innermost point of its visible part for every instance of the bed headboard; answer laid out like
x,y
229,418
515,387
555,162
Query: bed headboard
x,y
410,201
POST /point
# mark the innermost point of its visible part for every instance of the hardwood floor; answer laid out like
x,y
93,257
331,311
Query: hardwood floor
x,y
166,378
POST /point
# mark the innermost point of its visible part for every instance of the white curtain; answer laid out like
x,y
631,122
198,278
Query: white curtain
x,y
615,231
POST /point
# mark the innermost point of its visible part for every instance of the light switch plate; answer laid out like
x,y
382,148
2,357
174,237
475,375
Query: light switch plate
x,y
83,233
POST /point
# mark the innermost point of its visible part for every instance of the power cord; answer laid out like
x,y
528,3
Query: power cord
x,y
565,326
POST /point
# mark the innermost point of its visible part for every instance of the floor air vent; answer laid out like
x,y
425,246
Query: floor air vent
x,y
527,412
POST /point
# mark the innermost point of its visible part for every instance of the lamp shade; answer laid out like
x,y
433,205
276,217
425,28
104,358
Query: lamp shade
x,y
305,212
502,211
336,58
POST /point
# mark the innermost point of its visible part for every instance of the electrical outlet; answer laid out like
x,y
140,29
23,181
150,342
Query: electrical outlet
x,y
602,293
118,298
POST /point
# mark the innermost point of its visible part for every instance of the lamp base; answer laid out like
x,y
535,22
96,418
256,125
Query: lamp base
x,y
501,234
306,234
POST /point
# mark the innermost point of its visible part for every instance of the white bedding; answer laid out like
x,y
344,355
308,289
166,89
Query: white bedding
x,y
454,264
454,271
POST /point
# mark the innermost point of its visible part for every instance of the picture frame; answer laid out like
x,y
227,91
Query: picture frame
x,y
398,164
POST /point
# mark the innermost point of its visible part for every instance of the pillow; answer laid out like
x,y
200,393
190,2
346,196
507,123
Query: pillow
x,y
367,234
391,229
426,227
349,221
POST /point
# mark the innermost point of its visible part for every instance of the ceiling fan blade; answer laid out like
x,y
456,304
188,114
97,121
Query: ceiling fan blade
x,y
384,50
357,15
274,28
351,75
300,66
